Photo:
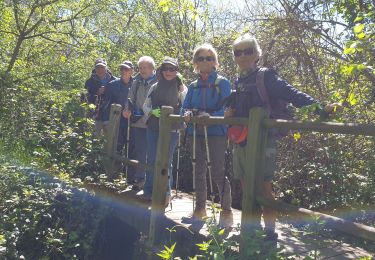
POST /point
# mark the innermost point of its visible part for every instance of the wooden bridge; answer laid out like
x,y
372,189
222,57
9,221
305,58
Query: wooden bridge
x,y
157,218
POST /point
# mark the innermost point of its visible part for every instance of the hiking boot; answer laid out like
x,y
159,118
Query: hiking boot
x,y
199,214
271,238
143,198
226,219
138,185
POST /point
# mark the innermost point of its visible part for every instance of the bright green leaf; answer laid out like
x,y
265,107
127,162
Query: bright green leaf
x,y
358,28
2,240
352,100
361,35
358,19
349,50
297,136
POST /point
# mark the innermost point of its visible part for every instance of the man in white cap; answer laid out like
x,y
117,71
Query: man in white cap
x,y
137,95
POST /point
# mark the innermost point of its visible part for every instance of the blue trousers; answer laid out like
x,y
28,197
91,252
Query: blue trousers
x,y
140,142
152,142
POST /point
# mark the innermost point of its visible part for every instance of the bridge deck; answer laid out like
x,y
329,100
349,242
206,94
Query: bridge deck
x,y
293,241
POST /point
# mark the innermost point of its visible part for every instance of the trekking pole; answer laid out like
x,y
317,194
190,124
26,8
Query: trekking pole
x,y
98,103
208,164
127,107
194,160
178,161
127,147
226,161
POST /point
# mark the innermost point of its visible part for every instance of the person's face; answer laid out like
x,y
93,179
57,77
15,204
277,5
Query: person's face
x,y
245,57
169,71
205,61
100,71
146,70
125,73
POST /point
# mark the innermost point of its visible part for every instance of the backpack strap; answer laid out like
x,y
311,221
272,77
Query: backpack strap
x,y
261,88
137,83
217,83
194,85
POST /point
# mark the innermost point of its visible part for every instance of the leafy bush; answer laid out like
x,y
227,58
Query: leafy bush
x,y
42,217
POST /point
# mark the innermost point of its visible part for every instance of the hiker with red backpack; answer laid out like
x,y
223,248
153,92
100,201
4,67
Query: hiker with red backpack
x,y
261,87
205,98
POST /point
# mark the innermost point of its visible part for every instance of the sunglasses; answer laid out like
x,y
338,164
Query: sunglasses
x,y
208,58
124,69
246,52
170,69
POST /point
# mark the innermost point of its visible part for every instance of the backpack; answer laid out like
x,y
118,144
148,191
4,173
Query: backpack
x,y
238,134
194,85
279,110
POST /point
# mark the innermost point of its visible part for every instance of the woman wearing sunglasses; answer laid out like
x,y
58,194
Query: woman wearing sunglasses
x,y
246,53
168,91
205,98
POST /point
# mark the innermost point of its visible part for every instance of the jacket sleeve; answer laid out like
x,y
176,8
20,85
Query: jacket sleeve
x,y
147,106
225,89
91,91
279,88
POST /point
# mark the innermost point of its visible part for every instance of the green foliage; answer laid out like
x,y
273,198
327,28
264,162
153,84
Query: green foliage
x,y
42,218
324,48
217,247
167,253
54,130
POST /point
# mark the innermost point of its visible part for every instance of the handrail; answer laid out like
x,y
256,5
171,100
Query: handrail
x,y
257,122
325,127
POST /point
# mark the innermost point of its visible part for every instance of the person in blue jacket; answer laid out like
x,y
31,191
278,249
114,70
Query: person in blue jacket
x,y
117,92
247,52
95,86
205,97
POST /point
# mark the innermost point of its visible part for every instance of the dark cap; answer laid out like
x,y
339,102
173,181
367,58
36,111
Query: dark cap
x,y
100,62
171,61
127,64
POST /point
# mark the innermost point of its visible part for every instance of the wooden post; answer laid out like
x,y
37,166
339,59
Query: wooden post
x,y
111,137
250,218
161,172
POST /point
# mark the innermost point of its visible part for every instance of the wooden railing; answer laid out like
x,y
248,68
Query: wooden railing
x,y
258,123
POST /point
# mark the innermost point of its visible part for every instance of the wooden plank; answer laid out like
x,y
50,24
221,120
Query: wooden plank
x,y
111,138
348,227
325,127
250,218
212,120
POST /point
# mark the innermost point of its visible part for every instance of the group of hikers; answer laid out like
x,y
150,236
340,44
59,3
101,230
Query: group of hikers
x,y
142,96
